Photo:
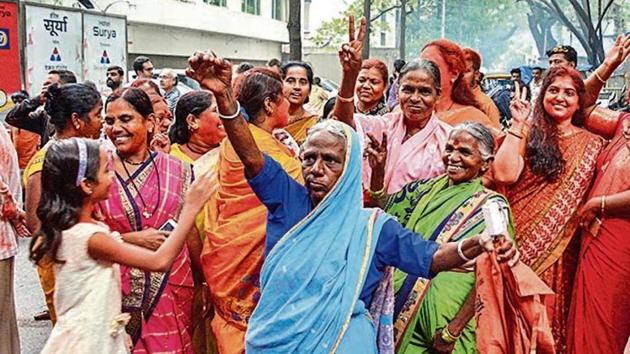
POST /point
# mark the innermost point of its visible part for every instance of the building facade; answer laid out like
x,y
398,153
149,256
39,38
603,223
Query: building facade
x,y
169,31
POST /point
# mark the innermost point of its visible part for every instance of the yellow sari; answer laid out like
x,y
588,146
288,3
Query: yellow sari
x,y
45,267
299,126
202,339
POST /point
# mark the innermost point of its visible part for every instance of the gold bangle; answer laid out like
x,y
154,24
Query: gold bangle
x,y
447,337
379,193
602,207
599,77
345,99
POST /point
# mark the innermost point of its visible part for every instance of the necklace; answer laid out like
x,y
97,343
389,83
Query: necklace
x,y
193,150
145,209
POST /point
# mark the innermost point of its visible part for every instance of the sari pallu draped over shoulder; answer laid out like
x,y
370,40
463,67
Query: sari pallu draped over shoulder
x,y
312,278
233,249
545,217
442,213
160,304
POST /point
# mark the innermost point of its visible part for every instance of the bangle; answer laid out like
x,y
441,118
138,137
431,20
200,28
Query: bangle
x,y
602,206
599,77
232,116
447,337
345,99
376,195
513,133
461,253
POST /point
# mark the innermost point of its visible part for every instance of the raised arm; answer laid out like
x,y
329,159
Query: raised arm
x,y
596,81
351,60
215,74
509,159
104,247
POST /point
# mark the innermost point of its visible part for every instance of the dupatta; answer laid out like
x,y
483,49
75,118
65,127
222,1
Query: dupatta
x,y
311,280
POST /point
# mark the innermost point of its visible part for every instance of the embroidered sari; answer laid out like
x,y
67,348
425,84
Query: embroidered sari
x,y
418,157
233,250
160,304
310,304
442,213
599,320
545,221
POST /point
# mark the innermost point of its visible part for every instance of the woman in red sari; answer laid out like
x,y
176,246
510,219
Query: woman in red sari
x,y
545,167
148,191
599,321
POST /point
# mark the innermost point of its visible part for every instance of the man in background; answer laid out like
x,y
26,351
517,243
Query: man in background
x,y
168,83
143,67
115,77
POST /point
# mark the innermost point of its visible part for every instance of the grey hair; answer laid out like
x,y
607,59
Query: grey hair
x,y
482,134
428,66
331,126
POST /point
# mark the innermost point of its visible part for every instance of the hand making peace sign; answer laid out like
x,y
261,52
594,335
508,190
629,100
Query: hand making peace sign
x,y
350,53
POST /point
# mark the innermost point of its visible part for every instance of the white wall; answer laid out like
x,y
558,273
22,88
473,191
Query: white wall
x,y
177,28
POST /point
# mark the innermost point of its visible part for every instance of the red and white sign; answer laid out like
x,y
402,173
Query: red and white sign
x,y
9,49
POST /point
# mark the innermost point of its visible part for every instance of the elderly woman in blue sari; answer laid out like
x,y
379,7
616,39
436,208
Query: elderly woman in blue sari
x,y
325,253
435,316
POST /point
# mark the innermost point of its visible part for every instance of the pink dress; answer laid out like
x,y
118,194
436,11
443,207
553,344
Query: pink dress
x,y
419,157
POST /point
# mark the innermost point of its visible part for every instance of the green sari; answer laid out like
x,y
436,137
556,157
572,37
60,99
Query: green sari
x,y
441,213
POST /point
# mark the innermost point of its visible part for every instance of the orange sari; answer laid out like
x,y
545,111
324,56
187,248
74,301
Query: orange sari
x,y
545,221
233,251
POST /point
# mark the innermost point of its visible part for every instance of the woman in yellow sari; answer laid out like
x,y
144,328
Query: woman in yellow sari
x,y
232,255
297,81
196,135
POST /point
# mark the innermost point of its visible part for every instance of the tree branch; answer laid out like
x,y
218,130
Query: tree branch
x,y
601,17
383,12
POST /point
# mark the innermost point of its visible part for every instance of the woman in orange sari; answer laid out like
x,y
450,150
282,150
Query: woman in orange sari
x,y
233,250
457,102
544,168
599,321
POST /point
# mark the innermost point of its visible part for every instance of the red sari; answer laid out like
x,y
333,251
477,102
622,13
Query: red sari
x,y
545,221
600,309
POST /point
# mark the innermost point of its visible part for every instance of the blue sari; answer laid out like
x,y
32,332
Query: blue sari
x,y
311,280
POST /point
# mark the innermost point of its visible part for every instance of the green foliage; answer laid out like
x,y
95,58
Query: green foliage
x,y
335,32
487,26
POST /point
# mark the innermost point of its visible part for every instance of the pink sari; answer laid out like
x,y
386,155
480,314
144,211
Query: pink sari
x,y
160,304
419,157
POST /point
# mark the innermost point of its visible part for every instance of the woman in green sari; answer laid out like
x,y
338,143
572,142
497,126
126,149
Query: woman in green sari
x,y
436,316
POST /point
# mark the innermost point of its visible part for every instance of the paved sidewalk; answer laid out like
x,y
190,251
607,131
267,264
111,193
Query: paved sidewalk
x,y
29,300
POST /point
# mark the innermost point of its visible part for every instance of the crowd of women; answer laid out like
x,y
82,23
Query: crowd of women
x,y
254,222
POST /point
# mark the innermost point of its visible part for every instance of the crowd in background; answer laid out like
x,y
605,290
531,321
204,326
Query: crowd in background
x,y
257,214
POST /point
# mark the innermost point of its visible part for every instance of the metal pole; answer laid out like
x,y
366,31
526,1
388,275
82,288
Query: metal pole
x,y
443,27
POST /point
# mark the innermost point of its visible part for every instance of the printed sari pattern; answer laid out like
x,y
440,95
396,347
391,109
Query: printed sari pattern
x,y
160,304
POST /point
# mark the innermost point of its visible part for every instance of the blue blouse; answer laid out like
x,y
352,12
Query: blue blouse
x,y
288,202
